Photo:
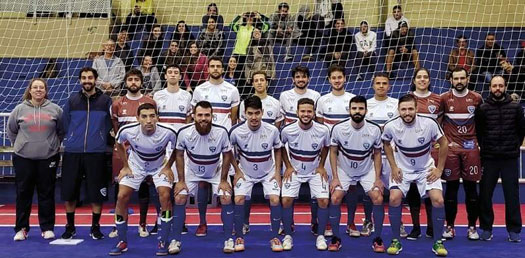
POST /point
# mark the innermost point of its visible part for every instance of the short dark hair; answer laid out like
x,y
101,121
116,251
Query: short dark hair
x,y
380,74
259,72
413,85
145,106
252,102
215,58
301,69
213,5
283,5
88,69
490,34
460,37
173,66
397,7
335,68
459,69
202,104
136,72
308,101
407,98
358,99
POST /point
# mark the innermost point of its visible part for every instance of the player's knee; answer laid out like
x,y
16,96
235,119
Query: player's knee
x,y
239,200
323,203
287,202
180,199
337,198
437,202
226,199
274,200
394,200
123,196
376,197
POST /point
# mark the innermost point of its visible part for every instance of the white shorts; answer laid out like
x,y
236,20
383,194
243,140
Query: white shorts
x,y
421,181
366,180
270,186
192,182
319,188
139,174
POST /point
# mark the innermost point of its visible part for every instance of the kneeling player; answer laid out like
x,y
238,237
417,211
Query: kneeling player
x,y
254,141
353,141
413,135
308,143
148,141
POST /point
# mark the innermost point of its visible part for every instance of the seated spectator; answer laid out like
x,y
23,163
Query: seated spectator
x,y
488,58
260,58
329,11
231,74
195,67
211,40
460,56
182,35
147,10
514,76
283,29
123,50
138,18
366,43
172,55
393,22
151,82
401,49
213,10
311,29
111,70
339,44
152,46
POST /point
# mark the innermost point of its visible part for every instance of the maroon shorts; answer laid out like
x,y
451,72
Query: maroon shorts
x,y
462,163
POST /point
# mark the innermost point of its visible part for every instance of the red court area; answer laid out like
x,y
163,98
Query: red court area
x,y
260,214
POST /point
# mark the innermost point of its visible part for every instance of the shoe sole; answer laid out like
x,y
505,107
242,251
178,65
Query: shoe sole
x,y
121,252
228,251
201,235
398,251
161,254
70,237
413,238
173,252
95,238
440,255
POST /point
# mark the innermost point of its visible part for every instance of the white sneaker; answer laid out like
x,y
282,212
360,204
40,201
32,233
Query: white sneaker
x,y
143,231
174,247
48,234
229,246
113,233
472,233
287,243
320,243
402,232
21,235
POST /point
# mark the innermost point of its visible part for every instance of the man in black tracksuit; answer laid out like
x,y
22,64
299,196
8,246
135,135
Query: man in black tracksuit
x,y
500,127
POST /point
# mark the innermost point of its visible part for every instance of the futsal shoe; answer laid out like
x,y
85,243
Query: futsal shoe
x,y
143,231
229,246
119,249
352,231
439,248
287,243
449,233
367,229
320,243
472,233
245,229
514,237
184,230
328,231
335,244
162,249
95,233
378,245
414,234
276,245
395,247
113,233
69,233
402,232
486,235
314,228
155,230
202,230
48,234
174,247
429,233
239,244
21,235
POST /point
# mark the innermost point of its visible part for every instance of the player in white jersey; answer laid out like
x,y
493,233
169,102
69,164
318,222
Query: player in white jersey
x,y
412,163
148,141
255,141
356,153
224,99
308,143
204,143
289,98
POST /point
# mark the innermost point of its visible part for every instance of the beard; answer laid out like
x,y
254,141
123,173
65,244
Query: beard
x,y
357,118
405,119
215,77
305,122
203,129
459,87
133,89
498,95
87,87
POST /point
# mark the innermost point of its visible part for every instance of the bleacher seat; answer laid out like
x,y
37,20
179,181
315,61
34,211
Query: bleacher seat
x,y
22,68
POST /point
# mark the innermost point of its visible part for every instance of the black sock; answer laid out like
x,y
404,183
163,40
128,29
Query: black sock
x,y
95,219
70,219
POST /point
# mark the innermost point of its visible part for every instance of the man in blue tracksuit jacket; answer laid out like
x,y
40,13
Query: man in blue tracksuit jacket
x,y
87,121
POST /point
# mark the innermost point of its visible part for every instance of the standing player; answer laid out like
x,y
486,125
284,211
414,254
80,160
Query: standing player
x,y
124,111
254,141
308,143
463,160
224,99
147,142
414,135
353,142
428,103
203,142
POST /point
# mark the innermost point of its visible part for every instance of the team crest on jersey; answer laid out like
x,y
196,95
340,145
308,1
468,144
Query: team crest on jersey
x,y
366,145
432,109
124,111
206,97
448,172
295,144
159,148
471,109
291,108
421,140
315,145
390,114
329,109
224,97
346,143
245,146
399,141
213,148
270,113
264,145
181,108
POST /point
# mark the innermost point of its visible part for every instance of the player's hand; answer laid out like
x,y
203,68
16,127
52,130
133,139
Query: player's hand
x,y
334,184
277,178
168,173
397,175
322,172
379,185
124,172
238,175
287,176
434,175
179,186
223,185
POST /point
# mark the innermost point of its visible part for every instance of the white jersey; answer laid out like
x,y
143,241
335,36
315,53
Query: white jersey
x,y
356,146
173,107
271,110
204,151
366,43
333,109
305,146
147,151
223,98
380,111
289,99
255,148
413,142
391,24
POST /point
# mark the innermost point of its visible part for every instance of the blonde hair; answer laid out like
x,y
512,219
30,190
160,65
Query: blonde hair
x,y
27,94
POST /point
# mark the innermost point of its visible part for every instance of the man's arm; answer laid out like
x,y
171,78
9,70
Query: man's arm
x,y
235,111
435,173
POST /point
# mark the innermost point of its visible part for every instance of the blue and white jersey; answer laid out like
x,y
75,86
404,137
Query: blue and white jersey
x,y
305,146
413,142
380,111
271,110
223,97
255,148
147,151
173,107
289,99
204,151
356,146
333,109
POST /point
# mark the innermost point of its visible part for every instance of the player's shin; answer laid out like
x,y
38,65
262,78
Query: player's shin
x,y
275,216
438,216
227,220
334,212
378,212
165,225
394,214
239,219
322,217
179,216
122,227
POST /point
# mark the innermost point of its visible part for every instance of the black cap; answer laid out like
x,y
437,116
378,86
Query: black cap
x,y
403,24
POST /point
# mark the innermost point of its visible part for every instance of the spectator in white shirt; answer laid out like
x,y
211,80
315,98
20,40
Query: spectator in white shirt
x,y
366,43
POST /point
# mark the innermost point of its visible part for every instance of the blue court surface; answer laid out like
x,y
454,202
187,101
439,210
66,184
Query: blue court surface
x,y
257,245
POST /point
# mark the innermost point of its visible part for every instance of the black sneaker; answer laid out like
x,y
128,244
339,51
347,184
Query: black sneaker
x,y
313,228
154,230
95,233
429,233
414,234
184,230
69,233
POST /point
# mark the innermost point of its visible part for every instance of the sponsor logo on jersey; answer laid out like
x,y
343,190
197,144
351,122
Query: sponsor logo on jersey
x,y
432,109
471,109
264,145
315,145
213,148
421,140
